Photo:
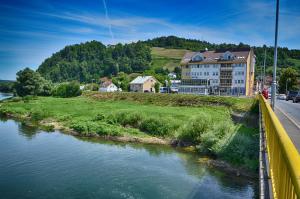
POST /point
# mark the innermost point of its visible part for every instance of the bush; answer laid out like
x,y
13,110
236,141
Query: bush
x,y
101,128
193,130
125,118
99,117
91,87
71,89
38,115
156,127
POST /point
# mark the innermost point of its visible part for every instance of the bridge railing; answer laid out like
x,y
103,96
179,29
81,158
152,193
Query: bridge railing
x,y
283,157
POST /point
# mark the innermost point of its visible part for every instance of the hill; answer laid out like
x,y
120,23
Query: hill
x,y
88,61
166,58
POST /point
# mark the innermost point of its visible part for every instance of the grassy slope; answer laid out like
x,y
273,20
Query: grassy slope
x,y
166,58
210,128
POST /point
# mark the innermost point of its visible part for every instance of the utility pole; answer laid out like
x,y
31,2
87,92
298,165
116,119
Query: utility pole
x,y
286,85
264,75
275,57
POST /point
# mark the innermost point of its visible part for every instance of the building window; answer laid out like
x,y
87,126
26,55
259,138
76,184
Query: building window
x,y
242,81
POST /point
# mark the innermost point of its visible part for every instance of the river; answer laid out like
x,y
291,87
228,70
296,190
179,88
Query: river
x,y
36,164
5,95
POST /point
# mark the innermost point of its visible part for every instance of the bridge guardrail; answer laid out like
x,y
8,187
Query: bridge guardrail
x,y
283,157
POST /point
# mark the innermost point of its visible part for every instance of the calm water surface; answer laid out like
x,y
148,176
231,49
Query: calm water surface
x,y
5,95
37,164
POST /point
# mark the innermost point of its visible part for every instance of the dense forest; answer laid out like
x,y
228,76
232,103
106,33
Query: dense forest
x,y
88,61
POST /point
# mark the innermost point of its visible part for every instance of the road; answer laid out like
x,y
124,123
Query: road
x,y
289,115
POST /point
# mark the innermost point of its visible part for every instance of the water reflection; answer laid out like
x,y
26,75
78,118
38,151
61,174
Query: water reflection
x,y
94,168
28,131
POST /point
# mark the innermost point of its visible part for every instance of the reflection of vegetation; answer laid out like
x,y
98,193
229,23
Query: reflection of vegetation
x,y
152,149
28,131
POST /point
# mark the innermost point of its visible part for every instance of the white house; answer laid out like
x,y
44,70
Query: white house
x,y
108,86
143,84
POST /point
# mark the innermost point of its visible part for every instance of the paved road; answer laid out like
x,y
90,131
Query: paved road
x,y
289,115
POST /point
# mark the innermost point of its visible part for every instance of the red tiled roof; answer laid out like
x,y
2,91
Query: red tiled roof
x,y
214,56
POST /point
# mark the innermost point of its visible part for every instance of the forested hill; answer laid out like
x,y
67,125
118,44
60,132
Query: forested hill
x,y
91,60
286,57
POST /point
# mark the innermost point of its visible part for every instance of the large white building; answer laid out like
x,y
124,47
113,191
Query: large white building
x,y
218,72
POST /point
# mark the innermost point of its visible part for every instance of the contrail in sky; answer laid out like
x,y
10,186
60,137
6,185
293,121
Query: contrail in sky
x,y
108,19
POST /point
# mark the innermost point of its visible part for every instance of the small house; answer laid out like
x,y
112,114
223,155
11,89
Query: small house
x,y
108,86
143,84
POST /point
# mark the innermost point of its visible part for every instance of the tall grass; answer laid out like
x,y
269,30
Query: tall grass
x,y
234,103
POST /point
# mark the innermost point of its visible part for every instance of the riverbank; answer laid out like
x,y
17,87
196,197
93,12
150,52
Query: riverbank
x,y
208,129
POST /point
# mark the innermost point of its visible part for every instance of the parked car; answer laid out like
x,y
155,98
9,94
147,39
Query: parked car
x,y
296,98
163,89
291,95
281,96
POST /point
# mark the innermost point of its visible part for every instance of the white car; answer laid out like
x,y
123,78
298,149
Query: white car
x,y
281,96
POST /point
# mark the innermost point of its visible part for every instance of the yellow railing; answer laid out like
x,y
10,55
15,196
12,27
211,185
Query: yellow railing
x,y
283,157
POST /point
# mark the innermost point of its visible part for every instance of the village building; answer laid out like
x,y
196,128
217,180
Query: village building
x,y
143,84
218,72
108,86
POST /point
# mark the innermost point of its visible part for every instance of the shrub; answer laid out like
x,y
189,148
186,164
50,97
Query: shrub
x,y
79,127
156,126
193,130
99,117
38,115
71,89
125,118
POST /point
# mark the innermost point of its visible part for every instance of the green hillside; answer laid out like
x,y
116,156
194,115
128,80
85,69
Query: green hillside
x,y
166,58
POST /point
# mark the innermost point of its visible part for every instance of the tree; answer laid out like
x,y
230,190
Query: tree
x,y
28,82
287,80
156,87
71,89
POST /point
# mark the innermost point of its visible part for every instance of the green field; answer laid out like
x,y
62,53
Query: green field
x,y
166,58
209,128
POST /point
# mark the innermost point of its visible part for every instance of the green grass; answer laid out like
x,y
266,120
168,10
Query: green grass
x,y
232,103
208,127
166,58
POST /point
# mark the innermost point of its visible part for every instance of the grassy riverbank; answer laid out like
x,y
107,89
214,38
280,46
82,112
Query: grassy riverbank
x,y
204,122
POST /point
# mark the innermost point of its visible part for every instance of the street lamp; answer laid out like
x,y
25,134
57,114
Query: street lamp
x,y
286,82
275,57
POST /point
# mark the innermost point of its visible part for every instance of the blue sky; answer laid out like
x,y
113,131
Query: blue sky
x,y
31,30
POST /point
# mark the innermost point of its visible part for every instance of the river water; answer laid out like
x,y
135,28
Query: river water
x,y
36,164
5,95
